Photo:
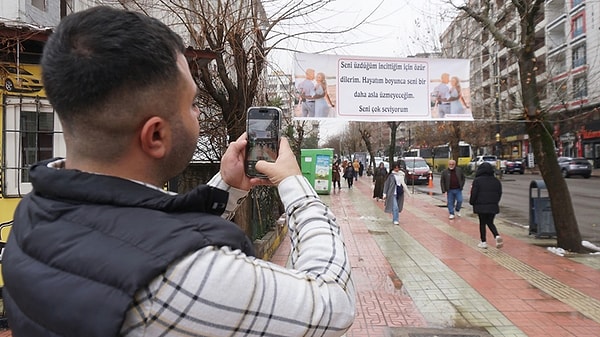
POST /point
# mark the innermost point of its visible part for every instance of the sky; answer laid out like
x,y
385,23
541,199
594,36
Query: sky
x,y
389,28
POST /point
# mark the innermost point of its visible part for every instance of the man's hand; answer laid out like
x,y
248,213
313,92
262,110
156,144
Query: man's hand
x,y
232,165
285,165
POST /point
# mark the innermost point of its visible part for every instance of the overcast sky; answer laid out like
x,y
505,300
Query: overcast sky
x,y
392,28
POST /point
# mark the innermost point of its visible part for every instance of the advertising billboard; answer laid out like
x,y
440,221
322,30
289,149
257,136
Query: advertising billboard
x,y
381,89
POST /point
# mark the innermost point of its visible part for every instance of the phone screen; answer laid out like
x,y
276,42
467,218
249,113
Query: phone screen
x,y
263,125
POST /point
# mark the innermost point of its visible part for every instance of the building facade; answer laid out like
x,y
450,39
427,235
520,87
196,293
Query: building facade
x,y
566,49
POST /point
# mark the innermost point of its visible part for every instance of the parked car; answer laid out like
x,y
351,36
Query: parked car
x,y
475,162
570,166
378,160
514,165
416,170
16,79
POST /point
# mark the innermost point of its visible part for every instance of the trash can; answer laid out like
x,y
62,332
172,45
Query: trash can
x,y
541,222
316,167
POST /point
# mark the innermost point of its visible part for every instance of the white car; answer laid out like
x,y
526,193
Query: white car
x,y
378,160
475,162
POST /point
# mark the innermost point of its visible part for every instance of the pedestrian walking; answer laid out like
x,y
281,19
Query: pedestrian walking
x,y
486,192
335,175
379,176
452,182
394,190
349,175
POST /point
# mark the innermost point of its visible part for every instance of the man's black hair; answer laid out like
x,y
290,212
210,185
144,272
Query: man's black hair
x,y
103,51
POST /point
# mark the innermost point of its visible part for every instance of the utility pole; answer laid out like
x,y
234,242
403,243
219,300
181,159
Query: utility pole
x,y
497,102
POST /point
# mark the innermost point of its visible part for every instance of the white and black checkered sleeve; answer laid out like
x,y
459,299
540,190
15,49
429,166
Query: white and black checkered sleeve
x,y
236,196
220,292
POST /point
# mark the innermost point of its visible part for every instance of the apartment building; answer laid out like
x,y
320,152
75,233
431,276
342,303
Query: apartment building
x,y
573,60
566,49
280,86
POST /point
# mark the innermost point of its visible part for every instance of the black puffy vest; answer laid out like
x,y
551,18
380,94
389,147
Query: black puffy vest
x,y
83,244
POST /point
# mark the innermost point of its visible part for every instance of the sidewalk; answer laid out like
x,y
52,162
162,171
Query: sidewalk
x,y
426,277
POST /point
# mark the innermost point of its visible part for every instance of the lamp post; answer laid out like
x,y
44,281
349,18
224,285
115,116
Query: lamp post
x,y
498,156
498,145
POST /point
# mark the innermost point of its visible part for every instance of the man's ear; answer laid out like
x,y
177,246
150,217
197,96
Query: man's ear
x,y
155,137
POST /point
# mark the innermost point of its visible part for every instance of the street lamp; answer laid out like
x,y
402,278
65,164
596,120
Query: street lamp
x,y
498,153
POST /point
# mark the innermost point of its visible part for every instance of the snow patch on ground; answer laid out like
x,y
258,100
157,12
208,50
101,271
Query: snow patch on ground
x,y
561,252
591,246
557,251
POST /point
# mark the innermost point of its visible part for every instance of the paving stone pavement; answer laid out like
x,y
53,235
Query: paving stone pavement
x,y
426,276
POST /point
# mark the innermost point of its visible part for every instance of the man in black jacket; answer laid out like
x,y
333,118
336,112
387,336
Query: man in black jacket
x,y
99,248
452,182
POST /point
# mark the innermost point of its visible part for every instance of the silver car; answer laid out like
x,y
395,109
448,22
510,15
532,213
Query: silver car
x,y
486,158
570,166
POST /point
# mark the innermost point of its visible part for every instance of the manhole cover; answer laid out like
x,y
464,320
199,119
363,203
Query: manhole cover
x,y
439,335
436,332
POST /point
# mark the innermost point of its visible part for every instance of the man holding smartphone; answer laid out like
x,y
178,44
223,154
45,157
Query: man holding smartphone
x,y
121,256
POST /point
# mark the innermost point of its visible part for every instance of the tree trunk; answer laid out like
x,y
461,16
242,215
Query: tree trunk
x,y
542,144
392,148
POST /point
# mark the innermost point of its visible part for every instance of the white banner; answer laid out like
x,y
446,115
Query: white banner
x,y
381,89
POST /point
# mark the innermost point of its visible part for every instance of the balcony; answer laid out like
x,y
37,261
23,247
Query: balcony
x,y
559,20
578,5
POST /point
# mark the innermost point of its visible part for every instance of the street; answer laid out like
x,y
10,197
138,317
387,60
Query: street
x,y
514,206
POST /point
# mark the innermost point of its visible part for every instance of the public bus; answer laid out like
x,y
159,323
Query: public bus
x,y
438,156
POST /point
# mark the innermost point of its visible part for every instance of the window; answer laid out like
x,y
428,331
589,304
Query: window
x,y
579,87
560,90
576,3
579,55
39,4
32,133
578,25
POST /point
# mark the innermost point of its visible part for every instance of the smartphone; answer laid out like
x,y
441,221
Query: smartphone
x,y
263,125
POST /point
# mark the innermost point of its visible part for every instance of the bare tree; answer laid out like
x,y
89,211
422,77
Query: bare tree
x,y
242,33
365,130
392,149
536,117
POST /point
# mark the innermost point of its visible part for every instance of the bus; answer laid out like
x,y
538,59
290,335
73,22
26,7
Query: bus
x,y
438,156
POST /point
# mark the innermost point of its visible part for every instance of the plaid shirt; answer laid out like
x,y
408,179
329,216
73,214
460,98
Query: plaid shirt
x,y
222,292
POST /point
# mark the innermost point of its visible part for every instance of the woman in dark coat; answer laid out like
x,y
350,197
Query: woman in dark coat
x,y
379,178
336,175
486,192
349,175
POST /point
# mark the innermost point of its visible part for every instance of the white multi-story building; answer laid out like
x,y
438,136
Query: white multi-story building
x,y
566,49
39,13
281,86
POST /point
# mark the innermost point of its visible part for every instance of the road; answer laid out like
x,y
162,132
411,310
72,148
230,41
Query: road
x,y
514,206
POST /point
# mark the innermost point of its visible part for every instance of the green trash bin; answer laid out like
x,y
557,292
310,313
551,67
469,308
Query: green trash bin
x,y
316,166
